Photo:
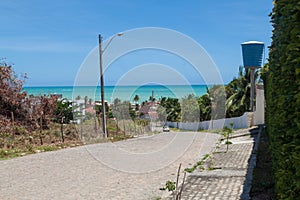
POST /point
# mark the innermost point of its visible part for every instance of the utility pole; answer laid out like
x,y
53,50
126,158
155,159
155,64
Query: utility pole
x,y
102,88
101,50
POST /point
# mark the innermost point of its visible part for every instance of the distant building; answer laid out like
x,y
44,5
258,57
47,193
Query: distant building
x,y
90,109
58,96
149,111
79,110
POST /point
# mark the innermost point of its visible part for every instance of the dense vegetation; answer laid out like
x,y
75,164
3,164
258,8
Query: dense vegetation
x,y
282,86
232,100
238,94
11,96
26,123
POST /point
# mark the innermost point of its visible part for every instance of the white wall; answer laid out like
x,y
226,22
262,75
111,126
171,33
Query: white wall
x,y
259,113
238,122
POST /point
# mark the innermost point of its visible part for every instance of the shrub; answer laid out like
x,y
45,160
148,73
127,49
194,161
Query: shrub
x,y
282,85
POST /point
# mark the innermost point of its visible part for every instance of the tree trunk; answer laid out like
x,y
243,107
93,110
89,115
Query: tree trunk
x,y
13,129
124,127
95,127
134,127
62,130
117,126
41,130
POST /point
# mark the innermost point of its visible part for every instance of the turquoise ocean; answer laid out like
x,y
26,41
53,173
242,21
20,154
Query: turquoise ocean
x,y
121,92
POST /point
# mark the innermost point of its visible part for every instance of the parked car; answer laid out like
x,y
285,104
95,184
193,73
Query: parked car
x,y
166,129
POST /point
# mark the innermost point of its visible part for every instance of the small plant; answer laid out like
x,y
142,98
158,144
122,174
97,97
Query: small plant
x,y
226,133
198,165
48,148
228,142
206,156
29,148
9,153
213,168
170,186
190,170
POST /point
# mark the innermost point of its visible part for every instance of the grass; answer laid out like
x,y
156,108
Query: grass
x,y
10,153
174,129
24,142
6,154
198,164
117,138
28,142
157,198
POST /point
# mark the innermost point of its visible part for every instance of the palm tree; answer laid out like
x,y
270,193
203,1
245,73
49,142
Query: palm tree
x,y
136,98
204,103
173,109
238,94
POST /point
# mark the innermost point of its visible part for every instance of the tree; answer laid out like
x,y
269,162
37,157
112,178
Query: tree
x,y
122,111
204,103
173,109
41,112
30,111
190,111
115,112
137,107
86,100
98,108
217,97
152,99
226,134
238,94
161,112
11,96
63,114
136,98
63,111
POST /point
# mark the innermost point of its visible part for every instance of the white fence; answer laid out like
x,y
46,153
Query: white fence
x,y
238,122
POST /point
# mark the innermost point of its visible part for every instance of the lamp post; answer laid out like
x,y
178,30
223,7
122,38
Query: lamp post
x,y
252,58
101,50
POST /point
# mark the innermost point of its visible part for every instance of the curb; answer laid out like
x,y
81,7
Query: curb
x,y
252,163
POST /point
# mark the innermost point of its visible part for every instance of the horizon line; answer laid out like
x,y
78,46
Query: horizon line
x,y
119,85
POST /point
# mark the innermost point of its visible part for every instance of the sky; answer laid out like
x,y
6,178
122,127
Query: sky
x,y
53,41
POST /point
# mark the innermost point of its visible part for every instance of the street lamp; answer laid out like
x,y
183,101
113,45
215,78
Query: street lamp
x,y
102,81
252,58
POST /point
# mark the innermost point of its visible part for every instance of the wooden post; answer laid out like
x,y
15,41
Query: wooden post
x,y
13,129
124,127
41,129
178,172
62,129
181,189
95,122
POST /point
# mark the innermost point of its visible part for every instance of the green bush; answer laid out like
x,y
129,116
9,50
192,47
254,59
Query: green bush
x,y
282,86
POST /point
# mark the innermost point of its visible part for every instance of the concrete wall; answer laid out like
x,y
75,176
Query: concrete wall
x,y
238,122
259,113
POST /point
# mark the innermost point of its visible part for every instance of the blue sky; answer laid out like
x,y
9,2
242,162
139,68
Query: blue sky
x,y
49,40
